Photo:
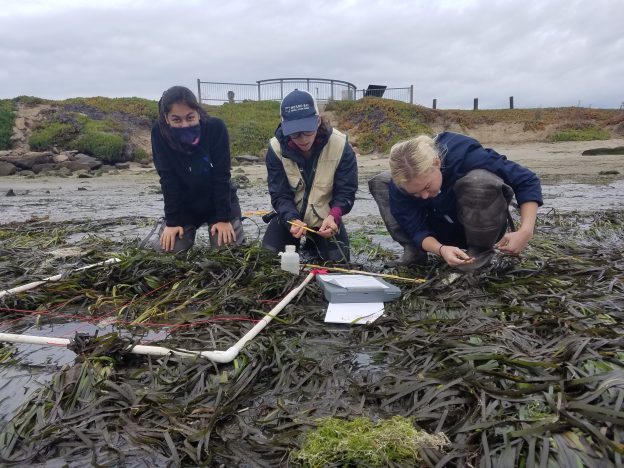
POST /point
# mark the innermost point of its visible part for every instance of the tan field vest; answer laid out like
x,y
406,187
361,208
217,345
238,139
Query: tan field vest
x,y
323,184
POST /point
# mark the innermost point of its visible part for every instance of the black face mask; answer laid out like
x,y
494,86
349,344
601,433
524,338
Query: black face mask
x,y
188,136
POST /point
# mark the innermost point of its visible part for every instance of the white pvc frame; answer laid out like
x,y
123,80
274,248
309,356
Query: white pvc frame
x,y
216,355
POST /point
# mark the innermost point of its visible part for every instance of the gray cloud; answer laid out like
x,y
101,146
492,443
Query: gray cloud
x,y
545,54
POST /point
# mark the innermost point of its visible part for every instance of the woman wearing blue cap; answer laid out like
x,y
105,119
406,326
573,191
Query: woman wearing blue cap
x,y
192,156
312,178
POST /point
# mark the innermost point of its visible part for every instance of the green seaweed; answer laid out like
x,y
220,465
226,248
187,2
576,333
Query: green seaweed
x,y
363,442
518,364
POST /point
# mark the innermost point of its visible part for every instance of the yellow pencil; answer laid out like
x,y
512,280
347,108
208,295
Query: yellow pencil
x,y
304,227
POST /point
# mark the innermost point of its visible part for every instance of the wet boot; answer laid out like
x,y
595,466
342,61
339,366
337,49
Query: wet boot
x,y
378,187
411,256
483,209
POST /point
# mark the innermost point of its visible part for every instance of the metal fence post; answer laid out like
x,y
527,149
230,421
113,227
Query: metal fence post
x,y
281,89
435,103
511,102
199,98
411,94
476,104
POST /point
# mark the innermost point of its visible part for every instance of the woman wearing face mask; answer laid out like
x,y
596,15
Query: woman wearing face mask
x,y
312,178
450,197
192,156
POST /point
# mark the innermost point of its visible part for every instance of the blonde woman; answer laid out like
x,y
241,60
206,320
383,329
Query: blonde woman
x,y
449,196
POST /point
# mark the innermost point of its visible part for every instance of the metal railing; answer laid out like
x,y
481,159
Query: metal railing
x,y
321,88
275,89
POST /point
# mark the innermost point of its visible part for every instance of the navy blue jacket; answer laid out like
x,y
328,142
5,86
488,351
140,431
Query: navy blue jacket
x,y
437,216
282,195
196,185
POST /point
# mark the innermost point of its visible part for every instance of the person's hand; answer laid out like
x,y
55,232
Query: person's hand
x,y
513,243
297,228
329,227
168,237
455,256
225,231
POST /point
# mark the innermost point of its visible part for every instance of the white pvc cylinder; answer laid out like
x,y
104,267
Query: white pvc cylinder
x,y
34,284
32,339
274,311
138,349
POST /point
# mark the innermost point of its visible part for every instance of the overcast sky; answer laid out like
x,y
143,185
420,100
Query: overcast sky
x,y
545,53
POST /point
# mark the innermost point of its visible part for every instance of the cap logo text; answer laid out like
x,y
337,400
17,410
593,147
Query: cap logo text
x,y
296,108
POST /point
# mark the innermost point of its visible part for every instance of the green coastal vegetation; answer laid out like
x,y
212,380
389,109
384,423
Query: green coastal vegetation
x,y
250,124
7,120
103,139
380,123
581,134
104,127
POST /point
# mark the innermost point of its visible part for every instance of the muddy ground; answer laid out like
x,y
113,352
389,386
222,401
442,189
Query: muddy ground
x,y
571,182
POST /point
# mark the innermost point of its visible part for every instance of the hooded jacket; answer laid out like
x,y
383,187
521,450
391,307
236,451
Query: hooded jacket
x,y
437,216
283,196
196,184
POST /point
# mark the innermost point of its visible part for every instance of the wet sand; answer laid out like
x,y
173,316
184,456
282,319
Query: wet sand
x,y
561,161
571,182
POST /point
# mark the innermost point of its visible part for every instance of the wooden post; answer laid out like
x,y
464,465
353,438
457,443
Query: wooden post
x,y
435,103
511,102
199,90
476,104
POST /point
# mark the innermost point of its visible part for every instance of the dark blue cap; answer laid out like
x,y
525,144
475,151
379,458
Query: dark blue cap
x,y
299,113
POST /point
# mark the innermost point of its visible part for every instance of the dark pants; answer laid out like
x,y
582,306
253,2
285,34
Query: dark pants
x,y
378,187
333,249
188,239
